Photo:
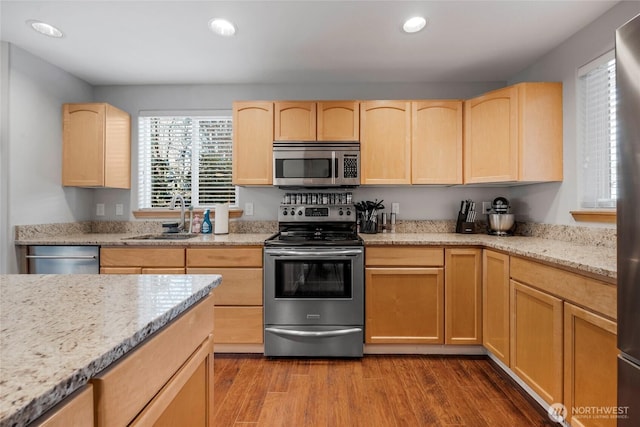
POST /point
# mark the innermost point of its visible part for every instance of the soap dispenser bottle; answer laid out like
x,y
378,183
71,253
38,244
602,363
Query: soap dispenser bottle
x,y
206,223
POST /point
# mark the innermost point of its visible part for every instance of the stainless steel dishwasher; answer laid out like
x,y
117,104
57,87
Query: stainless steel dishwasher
x,y
64,259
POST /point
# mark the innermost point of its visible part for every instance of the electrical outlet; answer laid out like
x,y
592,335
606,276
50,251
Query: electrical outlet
x,y
486,207
119,209
100,209
395,208
248,209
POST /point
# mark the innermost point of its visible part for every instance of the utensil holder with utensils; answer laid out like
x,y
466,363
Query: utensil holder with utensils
x,y
368,215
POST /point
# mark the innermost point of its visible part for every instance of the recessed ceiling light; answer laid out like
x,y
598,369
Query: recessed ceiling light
x,y
415,24
44,28
222,27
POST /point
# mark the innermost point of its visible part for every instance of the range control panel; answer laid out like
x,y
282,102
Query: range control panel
x,y
314,213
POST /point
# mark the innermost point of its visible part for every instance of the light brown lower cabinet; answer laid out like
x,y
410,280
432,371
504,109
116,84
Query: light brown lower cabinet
x,y
142,260
75,410
590,367
463,296
238,314
536,340
495,304
166,379
404,306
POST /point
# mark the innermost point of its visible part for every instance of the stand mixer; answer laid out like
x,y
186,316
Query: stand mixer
x,y
500,221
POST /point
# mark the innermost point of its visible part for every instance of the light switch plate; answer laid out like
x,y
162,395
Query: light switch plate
x,y
486,207
100,209
119,209
395,208
248,209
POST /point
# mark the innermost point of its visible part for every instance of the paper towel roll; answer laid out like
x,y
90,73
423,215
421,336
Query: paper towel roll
x,y
221,220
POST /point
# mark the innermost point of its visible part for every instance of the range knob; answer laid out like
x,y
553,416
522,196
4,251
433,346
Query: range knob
x,y
348,212
300,212
285,212
340,212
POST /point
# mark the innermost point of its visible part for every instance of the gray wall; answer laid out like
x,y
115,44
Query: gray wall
x,y
33,146
4,155
551,203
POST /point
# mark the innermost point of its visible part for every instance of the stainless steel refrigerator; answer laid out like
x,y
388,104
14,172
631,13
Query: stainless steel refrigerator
x,y
628,134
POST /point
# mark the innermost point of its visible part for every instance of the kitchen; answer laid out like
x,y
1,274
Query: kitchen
x,y
32,193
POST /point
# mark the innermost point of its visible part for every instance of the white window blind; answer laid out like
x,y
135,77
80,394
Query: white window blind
x,y
597,132
190,155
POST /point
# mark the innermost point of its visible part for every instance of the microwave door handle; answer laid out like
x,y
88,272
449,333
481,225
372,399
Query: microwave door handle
x,y
335,167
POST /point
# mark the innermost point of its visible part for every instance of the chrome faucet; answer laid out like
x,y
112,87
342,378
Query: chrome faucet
x,y
172,206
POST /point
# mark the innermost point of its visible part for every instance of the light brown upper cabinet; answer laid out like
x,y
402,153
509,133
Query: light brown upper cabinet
x,y
436,142
338,121
295,121
385,136
514,134
317,121
252,143
96,146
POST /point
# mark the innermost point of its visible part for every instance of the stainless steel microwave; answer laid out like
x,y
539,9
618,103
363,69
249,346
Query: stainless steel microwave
x,y
316,164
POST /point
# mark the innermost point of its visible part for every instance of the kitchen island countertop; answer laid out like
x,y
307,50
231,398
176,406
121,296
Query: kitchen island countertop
x,y
58,331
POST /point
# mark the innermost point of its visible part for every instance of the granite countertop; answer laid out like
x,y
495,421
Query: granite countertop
x,y
58,331
126,239
596,260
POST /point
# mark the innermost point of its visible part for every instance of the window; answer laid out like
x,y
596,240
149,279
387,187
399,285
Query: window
x,y
190,155
597,132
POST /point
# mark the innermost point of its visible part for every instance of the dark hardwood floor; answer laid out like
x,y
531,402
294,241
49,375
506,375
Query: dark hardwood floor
x,y
372,391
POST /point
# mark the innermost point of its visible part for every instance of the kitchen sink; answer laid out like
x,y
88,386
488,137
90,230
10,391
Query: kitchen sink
x,y
163,236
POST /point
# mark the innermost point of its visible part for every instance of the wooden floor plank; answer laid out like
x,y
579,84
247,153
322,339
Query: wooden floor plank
x,y
381,391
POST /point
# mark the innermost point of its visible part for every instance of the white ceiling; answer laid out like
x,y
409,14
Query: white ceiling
x,y
303,41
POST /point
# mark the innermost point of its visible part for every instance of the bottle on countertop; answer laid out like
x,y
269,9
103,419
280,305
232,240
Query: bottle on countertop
x,y
196,226
206,223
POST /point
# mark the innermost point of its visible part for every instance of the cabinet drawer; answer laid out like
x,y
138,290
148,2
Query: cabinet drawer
x,y
142,257
414,256
586,292
224,257
238,325
240,286
124,389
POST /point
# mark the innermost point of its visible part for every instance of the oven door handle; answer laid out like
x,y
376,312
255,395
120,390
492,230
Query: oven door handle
x,y
321,254
314,334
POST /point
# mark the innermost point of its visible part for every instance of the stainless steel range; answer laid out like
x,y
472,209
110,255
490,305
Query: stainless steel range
x,y
314,283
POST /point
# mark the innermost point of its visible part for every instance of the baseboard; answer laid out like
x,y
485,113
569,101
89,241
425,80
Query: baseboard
x,y
461,350
528,390
238,348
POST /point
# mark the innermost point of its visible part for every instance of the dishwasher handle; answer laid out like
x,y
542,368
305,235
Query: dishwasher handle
x,y
61,257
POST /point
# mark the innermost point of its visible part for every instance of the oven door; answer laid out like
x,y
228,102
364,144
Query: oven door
x,y
304,168
314,286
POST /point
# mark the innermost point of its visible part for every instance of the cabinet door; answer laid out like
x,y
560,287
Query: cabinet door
x,y
463,296
491,137
242,286
239,325
536,340
385,135
590,366
83,144
338,121
295,121
436,142
187,398
252,143
495,304
120,270
404,305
